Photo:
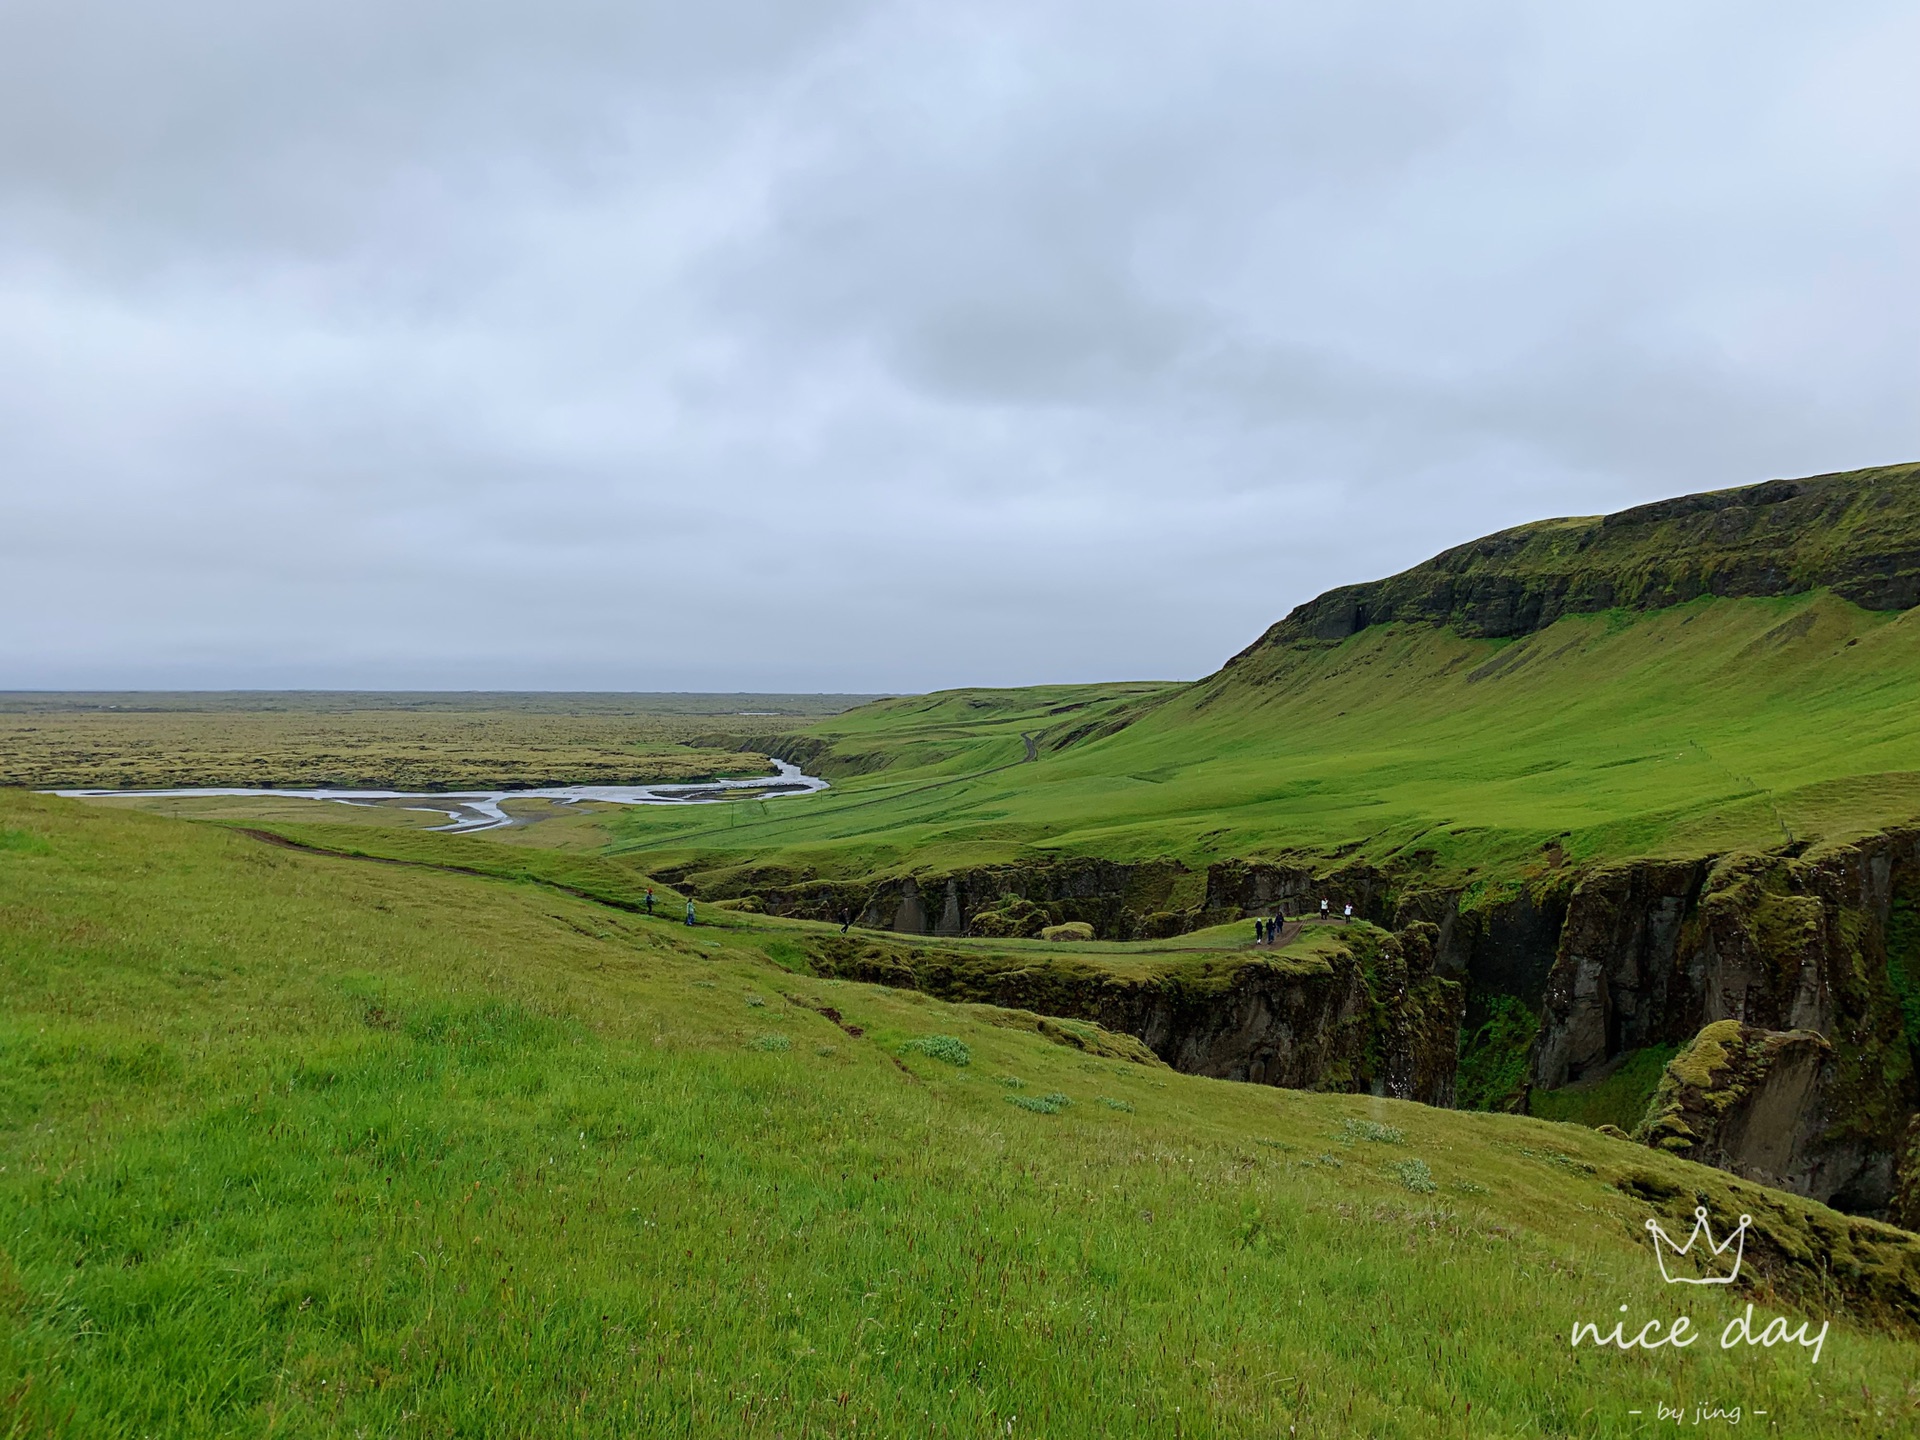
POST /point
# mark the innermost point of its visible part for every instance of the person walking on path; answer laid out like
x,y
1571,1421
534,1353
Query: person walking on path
x,y
649,899
689,912
1348,917
1325,910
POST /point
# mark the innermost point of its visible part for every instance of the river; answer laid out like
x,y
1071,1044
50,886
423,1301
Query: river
x,y
470,810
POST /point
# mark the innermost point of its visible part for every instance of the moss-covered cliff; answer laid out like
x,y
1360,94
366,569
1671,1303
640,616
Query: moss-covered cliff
x,y
1856,533
1364,1013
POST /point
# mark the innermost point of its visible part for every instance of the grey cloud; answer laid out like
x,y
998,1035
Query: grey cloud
x,y
892,345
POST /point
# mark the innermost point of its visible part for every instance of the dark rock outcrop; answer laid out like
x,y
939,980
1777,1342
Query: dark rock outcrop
x,y
1249,887
1504,945
1653,952
1906,1172
1754,1102
1121,900
1857,533
1613,969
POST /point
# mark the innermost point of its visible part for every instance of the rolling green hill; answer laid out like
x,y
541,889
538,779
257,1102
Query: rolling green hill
x,y
299,1144
1452,721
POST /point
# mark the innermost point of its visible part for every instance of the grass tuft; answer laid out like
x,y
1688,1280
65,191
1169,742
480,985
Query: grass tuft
x,y
949,1048
1051,1104
1371,1130
1416,1175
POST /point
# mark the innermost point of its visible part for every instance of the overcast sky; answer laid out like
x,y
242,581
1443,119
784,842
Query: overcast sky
x,y
756,344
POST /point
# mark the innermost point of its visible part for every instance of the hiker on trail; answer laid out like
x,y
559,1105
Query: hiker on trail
x,y
1325,912
649,900
1349,914
689,912
846,919
1259,930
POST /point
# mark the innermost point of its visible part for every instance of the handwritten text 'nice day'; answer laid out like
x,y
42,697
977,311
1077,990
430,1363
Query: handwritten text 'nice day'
x,y
1679,1334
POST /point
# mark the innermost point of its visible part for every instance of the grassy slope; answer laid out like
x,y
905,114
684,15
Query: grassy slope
x,y
1714,725
294,1144
1209,954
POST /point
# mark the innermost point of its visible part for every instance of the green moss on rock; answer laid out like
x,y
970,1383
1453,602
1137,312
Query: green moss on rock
x,y
1072,930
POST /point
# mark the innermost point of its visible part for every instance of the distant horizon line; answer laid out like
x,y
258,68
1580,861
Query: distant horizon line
x,y
51,690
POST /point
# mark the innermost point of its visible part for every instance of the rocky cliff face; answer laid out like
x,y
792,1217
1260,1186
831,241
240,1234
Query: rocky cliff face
x,y
1658,952
1756,1103
1858,533
1906,1197
1372,1017
1121,900
1252,887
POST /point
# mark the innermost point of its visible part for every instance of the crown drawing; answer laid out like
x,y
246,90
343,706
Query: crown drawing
x,y
1735,1241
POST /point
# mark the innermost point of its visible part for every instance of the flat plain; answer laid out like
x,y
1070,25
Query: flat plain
x,y
427,741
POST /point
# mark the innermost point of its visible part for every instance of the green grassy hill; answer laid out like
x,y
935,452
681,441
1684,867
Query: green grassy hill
x,y
1721,723
299,1144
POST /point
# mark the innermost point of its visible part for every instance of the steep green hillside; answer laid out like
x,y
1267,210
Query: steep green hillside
x,y
1717,724
1685,677
296,1144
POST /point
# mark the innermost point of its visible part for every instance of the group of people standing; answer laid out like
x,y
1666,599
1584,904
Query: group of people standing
x,y
649,904
1266,929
